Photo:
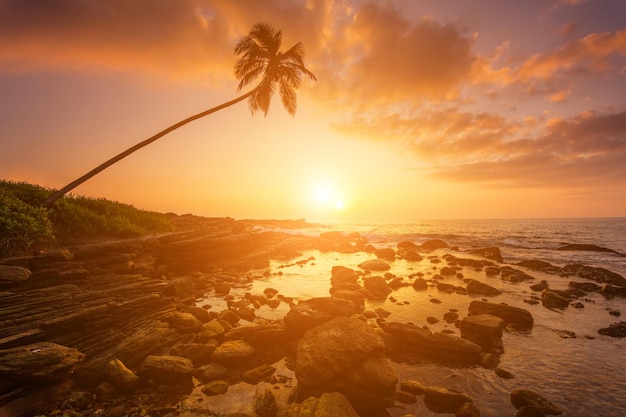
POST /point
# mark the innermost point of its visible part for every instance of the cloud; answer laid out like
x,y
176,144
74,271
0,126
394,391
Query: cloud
x,y
464,147
174,39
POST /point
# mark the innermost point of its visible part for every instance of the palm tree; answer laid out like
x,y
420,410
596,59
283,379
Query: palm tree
x,y
260,57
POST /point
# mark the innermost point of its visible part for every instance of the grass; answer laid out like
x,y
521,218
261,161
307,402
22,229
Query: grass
x,y
25,226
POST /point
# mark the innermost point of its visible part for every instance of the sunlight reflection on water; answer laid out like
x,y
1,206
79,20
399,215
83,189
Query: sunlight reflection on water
x,y
585,376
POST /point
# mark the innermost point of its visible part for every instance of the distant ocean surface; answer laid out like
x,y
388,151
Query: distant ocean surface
x,y
518,239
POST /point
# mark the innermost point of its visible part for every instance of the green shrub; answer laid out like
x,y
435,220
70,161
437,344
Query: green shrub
x,y
23,228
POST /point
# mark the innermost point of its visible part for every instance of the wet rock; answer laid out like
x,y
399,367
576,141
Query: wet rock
x,y
375,265
420,284
413,387
475,287
121,377
467,410
503,373
377,288
167,370
198,353
39,362
386,254
315,311
526,397
340,276
410,339
356,297
542,285
409,255
614,330
443,400
552,299
210,372
265,403
333,404
233,352
515,316
446,270
450,317
216,387
346,355
483,329
492,253
433,244
600,275
584,286
211,329
587,248
491,271
260,373
530,411
490,361
184,322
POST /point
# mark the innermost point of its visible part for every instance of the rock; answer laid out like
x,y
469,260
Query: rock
x,y
376,287
529,411
315,311
492,253
216,387
467,410
503,373
265,403
433,244
375,265
167,370
413,340
446,270
259,374
587,248
584,286
515,316
212,329
341,275
13,275
450,317
614,330
230,316
210,372
333,404
386,254
198,353
483,329
414,387
420,284
526,397
39,362
233,352
491,271
121,377
475,287
551,299
490,361
348,356
542,285
443,400
184,322
600,275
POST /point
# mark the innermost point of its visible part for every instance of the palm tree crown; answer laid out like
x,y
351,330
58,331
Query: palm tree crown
x,y
261,57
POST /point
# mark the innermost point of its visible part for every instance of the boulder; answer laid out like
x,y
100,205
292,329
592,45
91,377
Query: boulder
x,y
387,254
483,329
475,287
233,352
210,372
13,275
526,397
330,404
184,322
492,253
433,244
120,376
443,400
377,288
341,275
375,265
552,299
348,356
413,340
515,316
167,370
198,353
315,311
614,330
420,284
39,362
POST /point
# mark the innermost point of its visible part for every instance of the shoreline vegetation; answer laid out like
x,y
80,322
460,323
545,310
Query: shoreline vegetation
x,y
103,319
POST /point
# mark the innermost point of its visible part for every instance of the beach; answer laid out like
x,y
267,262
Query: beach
x,y
269,285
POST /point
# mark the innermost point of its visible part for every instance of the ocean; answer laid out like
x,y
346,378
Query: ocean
x,y
562,357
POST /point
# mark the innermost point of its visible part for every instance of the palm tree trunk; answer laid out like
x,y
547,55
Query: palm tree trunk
x,y
60,193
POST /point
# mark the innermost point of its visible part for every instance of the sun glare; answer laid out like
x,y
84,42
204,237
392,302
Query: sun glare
x,y
326,197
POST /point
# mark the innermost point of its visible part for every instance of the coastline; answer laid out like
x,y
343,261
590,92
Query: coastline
x,y
147,289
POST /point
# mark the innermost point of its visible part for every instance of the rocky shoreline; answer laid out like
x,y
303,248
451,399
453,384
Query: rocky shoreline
x,y
113,329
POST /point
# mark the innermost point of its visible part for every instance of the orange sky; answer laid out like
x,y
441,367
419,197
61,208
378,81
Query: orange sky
x,y
422,109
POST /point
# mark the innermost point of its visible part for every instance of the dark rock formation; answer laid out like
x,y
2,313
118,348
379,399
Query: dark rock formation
x,y
515,316
358,369
526,397
483,329
615,330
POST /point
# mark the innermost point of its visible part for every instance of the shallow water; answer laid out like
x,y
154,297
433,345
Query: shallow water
x,y
584,375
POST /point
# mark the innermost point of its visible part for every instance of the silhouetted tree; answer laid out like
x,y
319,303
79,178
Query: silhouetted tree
x,y
260,56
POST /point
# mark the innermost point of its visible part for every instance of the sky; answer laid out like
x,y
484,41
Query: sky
x,y
421,109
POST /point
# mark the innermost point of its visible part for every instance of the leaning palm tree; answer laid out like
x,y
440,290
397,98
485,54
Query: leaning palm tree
x,y
260,56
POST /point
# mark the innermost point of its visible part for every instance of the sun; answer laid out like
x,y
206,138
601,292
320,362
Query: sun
x,y
327,197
